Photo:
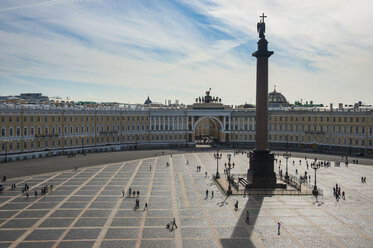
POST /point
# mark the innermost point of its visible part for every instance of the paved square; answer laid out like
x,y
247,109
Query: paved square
x,y
86,208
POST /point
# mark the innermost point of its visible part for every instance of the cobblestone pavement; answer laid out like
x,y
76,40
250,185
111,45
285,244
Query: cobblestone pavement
x,y
86,208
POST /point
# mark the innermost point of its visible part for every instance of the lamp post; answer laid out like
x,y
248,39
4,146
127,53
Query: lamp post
x,y
315,166
229,191
83,137
286,155
217,156
6,150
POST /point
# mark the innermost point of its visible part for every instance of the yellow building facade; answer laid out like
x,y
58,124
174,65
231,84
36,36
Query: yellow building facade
x,y
44,130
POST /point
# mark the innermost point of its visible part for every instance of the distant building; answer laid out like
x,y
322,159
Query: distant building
x,y
34,98
38,130
148,101
276,99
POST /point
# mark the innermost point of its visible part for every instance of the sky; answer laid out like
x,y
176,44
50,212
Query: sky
x,y
126,50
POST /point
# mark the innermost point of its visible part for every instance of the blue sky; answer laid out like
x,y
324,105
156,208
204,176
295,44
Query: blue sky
x,y
123,51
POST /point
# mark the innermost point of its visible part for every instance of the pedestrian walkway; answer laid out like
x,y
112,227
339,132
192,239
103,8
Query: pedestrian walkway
x,y
86,208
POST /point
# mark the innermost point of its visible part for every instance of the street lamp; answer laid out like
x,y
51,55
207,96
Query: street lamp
x,y
286,155
315,166
5,142
217,156
83,144
229,191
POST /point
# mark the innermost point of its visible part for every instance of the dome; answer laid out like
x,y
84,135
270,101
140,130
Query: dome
x,y
148,101
276,99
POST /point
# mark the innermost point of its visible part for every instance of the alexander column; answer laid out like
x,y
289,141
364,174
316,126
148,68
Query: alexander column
x,y
261,173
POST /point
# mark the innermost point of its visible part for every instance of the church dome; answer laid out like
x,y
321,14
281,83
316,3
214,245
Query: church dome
x,y
148,101
276,99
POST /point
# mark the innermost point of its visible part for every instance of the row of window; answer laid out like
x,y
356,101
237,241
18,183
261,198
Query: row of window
x,y
77,141
71,119
321,128
69,130
345,119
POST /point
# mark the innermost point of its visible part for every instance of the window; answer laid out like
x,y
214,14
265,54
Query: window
x,y
18,131
3,132
32,131
25,131
10,119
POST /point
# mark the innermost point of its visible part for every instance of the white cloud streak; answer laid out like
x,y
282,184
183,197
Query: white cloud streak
x,y
154,47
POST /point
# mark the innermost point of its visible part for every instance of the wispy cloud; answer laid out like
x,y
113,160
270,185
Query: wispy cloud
x,y
180,48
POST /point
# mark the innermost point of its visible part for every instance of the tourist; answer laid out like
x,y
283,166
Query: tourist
x,y
362,179
146,206
207,193
278,228
134,193
150,167
174,224
343,195
122,193
236,206
138,193
206,174
212,194
187,162
129,192
365,179
137,204
247,217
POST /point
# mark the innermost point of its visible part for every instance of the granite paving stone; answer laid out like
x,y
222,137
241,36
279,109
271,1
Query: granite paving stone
x,y
86,208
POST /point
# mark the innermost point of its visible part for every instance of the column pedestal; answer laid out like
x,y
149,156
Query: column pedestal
x,y
261,173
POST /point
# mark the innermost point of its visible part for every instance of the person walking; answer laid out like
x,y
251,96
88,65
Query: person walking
x,y
212,194
247,217
122,193
207,193
343,195
137,204
146,206
236,206
129,192
174,224
138,193
206,174
278,228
